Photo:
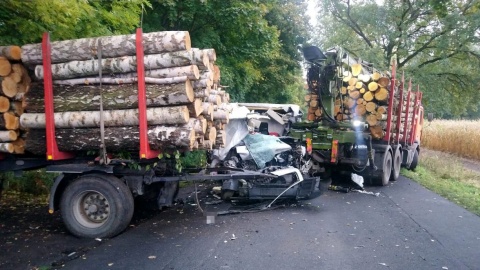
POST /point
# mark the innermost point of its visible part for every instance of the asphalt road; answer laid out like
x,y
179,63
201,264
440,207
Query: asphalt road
x,y
405,227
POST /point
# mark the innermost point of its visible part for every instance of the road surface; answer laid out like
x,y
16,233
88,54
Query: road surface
x,y
405,227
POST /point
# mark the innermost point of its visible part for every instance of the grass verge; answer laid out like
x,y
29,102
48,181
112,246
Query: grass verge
x,y
447,176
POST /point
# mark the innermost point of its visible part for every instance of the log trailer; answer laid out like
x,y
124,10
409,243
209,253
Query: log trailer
x,y
347,132
95,194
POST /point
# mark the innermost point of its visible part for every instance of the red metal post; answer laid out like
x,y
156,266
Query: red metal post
x,y
390,106
399,110
52,150
415,115
145,151
407,113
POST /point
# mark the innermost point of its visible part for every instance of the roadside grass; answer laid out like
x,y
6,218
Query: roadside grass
x,y
445,175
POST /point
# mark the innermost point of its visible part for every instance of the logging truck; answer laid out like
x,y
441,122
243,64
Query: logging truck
x,y
110,115
360,120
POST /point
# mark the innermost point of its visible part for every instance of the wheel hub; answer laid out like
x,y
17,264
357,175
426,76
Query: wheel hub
x,y
96,207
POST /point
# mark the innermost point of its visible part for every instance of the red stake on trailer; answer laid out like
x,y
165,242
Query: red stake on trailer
x,y
407,113
390,107
418,97
145,151
52,149
400,107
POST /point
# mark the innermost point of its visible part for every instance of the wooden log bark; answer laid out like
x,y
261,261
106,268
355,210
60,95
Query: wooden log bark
x,y
6,148
4,104
377,132
124,96
113,46
5,66
202,93
207,145
116,139
9,87
156,76
112,118
9,121
18,146
212,56
214,99
211,134
203,83
221,115
8,136
124,64
207,111
199,126
11,52
195,108
216,73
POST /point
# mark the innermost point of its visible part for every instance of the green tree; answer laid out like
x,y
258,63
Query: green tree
x,y
23,22
435,42
255,41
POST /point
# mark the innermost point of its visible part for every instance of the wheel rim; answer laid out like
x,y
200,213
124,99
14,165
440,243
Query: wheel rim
x,y
396,165
388,169
91,209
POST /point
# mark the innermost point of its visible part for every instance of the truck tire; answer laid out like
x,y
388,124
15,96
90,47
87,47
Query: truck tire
x,y
97,206
383,161
414,163
397,164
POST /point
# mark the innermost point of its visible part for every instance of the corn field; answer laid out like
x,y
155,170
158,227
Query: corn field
x,y
459,137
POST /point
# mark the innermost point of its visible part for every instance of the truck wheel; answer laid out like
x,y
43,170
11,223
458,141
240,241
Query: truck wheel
x,y
384,169
397,163
414,163
97,206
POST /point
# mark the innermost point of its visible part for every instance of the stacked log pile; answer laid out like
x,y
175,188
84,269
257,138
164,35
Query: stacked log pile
x,y
185,104
362,96
15,82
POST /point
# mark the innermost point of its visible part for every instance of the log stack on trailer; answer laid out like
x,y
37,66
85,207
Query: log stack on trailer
x,y
365,96
184,100
15,82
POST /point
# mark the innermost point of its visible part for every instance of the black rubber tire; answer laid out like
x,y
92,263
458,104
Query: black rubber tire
x,y
97,206
384,169
397,164
414,163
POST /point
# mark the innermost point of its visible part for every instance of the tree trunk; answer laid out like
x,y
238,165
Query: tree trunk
x,y
212,56
5,66
113,46
214,99
116,139
377,132
196,125
19,146
9,87
8,136
381,94
112,118
202,83
11,52
123,64
115,97
211,134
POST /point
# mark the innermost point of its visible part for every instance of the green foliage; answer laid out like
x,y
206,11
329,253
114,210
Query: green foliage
x,y
194,159
36,182
24,22
255,41
434,42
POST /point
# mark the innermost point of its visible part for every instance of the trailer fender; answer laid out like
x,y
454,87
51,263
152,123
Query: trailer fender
x,y
56,191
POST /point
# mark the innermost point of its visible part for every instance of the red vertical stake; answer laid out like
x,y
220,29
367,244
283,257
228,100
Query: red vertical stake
x,y
415,115
145,151
390,107
52,149
407,113
399,110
